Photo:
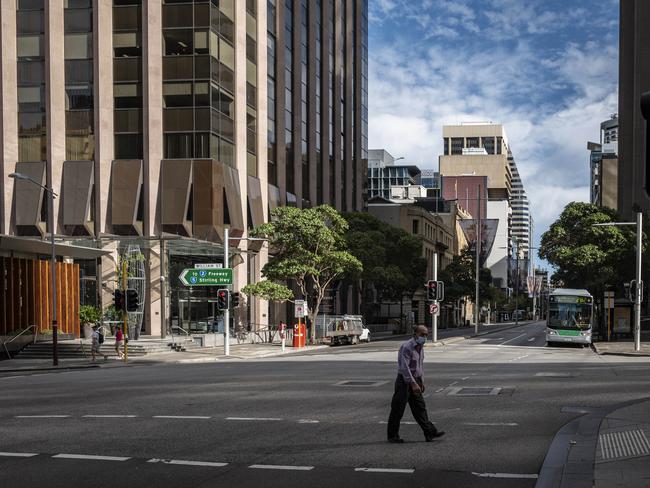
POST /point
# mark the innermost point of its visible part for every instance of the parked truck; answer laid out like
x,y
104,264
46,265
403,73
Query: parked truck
x,y
342,329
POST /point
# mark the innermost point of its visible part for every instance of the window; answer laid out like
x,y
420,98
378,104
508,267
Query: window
x,y
78,46
127,95
178,42
127,44
30,98
29,46
415,226
177,95
128,146
78,97
28,22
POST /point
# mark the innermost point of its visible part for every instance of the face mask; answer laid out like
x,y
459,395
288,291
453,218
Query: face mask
x,y
420,340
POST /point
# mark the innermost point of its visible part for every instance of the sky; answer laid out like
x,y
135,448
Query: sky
x,y
545,69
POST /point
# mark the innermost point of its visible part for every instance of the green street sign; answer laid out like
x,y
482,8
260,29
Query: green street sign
x,y
206,277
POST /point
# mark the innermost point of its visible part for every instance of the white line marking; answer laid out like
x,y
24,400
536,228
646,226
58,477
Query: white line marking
x,y
452,384
532,339
253,418
439,390
18,454
466,377
91,457
510,340
42,416
385,470
180,417
408,422
505,475
188,463
276,466
109,416
507,424
308,421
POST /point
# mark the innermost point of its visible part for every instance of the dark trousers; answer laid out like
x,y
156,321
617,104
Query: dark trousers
x,y
403,395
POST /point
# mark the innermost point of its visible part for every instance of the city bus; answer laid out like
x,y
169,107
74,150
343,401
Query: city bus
x,y
570,316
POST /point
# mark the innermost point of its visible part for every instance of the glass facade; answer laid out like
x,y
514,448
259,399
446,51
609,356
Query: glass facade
x,y
272,169
30,51
251,87
79,113
288,90
127,83
199,80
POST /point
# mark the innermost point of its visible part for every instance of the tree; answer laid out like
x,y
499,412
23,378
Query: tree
x,y
309,249
586,256
391,257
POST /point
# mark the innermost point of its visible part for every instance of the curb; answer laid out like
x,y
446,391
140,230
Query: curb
x,y
51,368
570,459
632,354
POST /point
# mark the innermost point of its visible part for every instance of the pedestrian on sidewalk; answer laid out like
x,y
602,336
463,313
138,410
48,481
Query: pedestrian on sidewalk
x,y
119,342
409,387
97,339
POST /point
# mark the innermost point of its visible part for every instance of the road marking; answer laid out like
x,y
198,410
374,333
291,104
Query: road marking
x,y
180,417
506,475
507,424
91,416
188,463
440,389
385,470
42,416
277,466
18,454
254,418
90,457
308,421
510,340
466,377
532,339
408,422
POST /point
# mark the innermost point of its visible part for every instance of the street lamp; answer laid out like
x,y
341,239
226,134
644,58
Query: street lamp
x,y
50,223
639,283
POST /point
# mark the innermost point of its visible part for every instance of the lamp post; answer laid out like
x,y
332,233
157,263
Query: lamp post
x,y
50,224
638,292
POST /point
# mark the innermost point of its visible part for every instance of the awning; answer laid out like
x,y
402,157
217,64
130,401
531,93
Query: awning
x,y
37,246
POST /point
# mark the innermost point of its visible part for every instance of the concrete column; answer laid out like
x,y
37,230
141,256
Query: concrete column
x,y
103,90
153,112
55,96
9,118
155,302
261,308
240,273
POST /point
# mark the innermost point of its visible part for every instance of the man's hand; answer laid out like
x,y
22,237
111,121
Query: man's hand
x,y
422,387
416,388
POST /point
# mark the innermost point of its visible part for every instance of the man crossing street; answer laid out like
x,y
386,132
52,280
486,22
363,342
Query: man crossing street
x,y
409,387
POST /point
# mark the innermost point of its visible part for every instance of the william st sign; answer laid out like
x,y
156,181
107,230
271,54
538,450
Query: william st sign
x,y
206,277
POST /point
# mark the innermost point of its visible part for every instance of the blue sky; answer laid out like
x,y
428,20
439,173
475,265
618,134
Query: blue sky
x,y
546,69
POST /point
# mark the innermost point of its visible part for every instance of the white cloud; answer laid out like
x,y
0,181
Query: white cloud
x,y
550,101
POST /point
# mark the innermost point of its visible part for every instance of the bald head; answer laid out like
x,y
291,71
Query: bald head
x,y
421,331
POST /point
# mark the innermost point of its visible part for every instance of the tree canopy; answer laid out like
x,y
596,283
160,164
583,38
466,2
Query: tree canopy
x,y
308,248
586,256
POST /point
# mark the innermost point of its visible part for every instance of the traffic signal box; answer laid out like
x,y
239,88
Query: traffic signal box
x,y
235,299
132,300
119,301
435,290
223,299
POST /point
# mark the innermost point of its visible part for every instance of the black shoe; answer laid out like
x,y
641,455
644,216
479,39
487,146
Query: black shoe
x,y
430,438
396,440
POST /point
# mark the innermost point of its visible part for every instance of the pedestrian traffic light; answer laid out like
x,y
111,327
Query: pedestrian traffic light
x,y
235,299
432,290
223,299
132,300
118,300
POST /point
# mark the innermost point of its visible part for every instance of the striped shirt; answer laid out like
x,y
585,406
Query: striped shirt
x,y
410,361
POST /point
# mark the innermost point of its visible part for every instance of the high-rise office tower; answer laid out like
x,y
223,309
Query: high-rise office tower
x,y
521,218
159,123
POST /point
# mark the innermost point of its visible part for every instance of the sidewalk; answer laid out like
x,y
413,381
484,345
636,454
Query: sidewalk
x,y
622,348
604,448
205,355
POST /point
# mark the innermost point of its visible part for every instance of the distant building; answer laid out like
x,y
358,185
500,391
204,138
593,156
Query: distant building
x,y
521,218
383,173
464,190
604,165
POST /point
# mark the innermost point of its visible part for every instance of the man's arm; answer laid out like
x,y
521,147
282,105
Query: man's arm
x,y
403,365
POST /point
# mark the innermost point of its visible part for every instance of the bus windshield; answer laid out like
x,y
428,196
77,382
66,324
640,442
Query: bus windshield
x,y
569,316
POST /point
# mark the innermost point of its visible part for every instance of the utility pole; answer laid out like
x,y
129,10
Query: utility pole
x,y
226,312
435,302
478,255
517,283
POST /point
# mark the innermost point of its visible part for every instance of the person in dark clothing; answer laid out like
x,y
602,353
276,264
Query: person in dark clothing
x,y
409,387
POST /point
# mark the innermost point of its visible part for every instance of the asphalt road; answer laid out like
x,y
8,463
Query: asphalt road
x,y
294,421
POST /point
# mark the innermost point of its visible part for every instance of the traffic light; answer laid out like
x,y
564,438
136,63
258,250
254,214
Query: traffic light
x,y
441,291
132,300
223,299
118,300
432,290
235,299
